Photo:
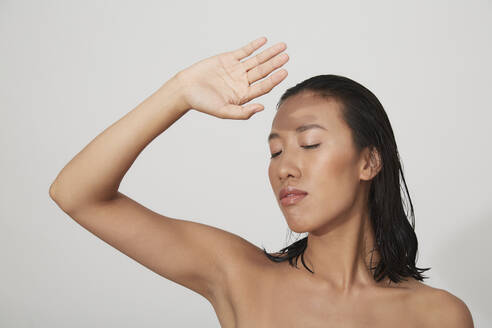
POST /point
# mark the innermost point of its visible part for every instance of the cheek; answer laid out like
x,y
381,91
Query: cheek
x,y
336,185
270,174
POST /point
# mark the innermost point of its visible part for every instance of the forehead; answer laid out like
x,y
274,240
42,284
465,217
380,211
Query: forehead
x,y
306,108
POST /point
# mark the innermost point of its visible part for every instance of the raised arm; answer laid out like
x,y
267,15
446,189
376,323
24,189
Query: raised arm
x,y
197,256
95,173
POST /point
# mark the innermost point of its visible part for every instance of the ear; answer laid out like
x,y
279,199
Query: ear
x,y
371,163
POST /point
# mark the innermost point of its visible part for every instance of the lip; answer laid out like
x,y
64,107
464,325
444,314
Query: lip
x,y
292,199
290,190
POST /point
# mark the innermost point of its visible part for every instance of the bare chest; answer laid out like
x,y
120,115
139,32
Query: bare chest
x,y
271,303
292,311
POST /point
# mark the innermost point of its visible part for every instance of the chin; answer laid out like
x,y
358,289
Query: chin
x,y
298,227
294,229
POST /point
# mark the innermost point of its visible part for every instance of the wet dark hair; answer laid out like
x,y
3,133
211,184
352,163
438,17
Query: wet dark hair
x,y
396,241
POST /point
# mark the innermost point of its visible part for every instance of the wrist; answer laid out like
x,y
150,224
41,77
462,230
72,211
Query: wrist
x,y
172,90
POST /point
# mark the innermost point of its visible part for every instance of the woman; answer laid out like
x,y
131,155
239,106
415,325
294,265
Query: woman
x,y
335,173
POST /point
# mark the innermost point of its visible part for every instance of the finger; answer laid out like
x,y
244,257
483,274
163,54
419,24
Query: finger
x,y
237,112
264,56
266,85
249,48
266,68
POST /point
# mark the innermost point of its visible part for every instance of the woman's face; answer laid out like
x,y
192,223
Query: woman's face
x,y
329,173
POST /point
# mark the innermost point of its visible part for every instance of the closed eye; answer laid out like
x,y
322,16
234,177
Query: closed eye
x,y
305,147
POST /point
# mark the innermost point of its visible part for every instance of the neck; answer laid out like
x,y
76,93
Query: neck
x,y
340,252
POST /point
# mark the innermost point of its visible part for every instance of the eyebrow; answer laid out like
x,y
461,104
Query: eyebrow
x,y
299,129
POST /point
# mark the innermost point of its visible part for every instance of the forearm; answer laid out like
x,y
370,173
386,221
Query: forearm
x,y
95,173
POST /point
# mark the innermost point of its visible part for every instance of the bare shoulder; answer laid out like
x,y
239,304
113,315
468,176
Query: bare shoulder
x,y
441,308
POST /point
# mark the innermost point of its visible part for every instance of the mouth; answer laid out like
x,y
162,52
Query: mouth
x,y
292,199
290,191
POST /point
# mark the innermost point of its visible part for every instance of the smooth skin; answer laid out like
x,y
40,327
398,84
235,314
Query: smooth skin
x,y
323,161
243,286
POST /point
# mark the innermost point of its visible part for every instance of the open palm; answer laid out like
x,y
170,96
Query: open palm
x,y
220,84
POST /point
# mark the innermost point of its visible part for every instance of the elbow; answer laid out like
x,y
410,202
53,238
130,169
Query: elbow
x,y
52,191
56,199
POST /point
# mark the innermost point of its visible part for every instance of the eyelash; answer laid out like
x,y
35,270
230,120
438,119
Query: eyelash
x,y
305,147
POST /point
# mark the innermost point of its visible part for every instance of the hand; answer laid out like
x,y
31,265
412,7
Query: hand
x,y
220,84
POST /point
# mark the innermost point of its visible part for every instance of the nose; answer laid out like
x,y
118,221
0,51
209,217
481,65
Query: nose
x,y
288,167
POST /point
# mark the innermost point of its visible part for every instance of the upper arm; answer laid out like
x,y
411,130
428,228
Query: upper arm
x,y
194,255
450,311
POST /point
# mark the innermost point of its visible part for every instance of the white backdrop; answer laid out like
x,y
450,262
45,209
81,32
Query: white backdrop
x,y
70,69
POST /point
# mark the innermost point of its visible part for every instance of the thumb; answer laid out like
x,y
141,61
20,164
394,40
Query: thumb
x,y
243,112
